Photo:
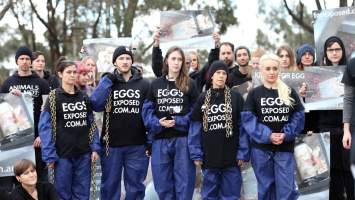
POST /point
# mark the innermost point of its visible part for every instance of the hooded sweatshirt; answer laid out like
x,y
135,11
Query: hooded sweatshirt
x,y
126,126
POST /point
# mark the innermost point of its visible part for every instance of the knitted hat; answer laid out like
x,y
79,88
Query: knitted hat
x,y
300,51
121,50
215,66
23,51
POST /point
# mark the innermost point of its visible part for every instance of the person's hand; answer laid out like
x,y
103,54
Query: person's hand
x,y
217,39
277,138
303,89
148,150
347,140
240,162
16,92
94,156
156,37
198,163
50,165
167,123
37,142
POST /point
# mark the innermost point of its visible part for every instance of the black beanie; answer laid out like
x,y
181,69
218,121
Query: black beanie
x,y
23,51
121,50
215,66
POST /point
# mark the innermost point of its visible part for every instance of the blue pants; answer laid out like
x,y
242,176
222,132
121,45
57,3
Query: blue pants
x,y
221,184
134,163
72,177
274,172
173,170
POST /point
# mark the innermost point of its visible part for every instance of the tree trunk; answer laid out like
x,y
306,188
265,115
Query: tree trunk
x,y
343,3
129,17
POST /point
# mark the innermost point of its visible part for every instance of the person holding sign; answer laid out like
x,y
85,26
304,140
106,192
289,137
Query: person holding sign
x,y
69,136
273,116
121,95
331,121
166,115
215,142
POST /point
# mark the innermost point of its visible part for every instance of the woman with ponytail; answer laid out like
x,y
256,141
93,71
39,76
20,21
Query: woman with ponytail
x,y
273,116
70,140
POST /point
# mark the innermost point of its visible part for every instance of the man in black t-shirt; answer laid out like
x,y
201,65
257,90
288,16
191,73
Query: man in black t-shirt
x,y
24,81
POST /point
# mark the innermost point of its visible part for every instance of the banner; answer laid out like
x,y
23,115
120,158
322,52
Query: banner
x,y
324,88
16,131
334,22
102,50
189,29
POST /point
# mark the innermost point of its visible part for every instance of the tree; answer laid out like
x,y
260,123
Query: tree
x,y
5,9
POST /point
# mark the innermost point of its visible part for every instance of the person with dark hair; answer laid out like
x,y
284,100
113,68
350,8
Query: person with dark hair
x,y
38,65
305,56
30,188
70,140
273,116
214,139
344,160
166,115
121,95
223,51
25,81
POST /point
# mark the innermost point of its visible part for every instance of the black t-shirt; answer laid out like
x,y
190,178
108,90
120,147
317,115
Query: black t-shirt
x,y
270,110
219,151
72,114
169,101
33,85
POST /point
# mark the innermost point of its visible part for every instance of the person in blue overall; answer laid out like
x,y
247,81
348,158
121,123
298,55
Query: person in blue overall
x,y
215,141
121,95
166,114
273,116
69,136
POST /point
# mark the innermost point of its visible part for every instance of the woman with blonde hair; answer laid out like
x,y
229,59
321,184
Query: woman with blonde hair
x,y
273,116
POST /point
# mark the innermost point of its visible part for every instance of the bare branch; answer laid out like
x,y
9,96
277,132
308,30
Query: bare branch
x,y
298,19
5,9
39,16
96,23
318,5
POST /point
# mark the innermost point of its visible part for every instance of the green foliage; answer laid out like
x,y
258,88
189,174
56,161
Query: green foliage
x,y
288,30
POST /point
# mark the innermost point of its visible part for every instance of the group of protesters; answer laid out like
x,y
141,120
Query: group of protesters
x,y
189,117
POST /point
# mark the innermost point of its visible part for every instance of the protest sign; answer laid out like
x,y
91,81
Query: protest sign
x,y
16,131
189,29
334,22
102,50
324,88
